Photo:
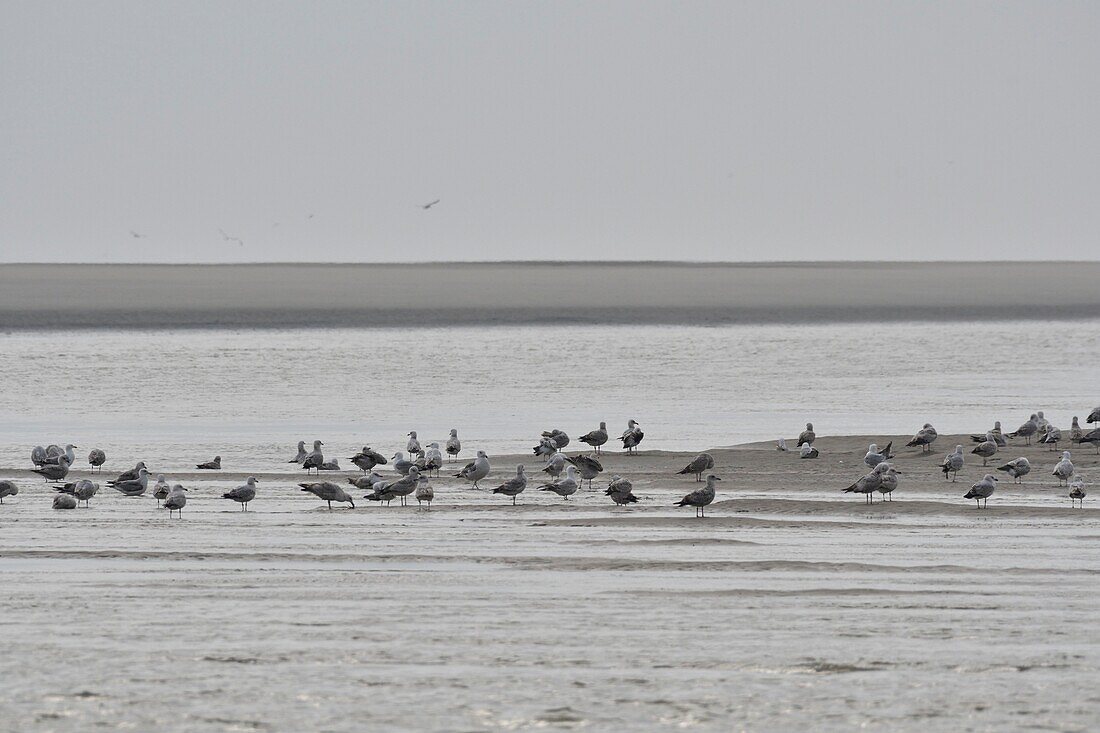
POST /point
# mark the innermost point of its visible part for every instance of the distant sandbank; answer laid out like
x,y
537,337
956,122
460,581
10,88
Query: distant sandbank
x,y
45,296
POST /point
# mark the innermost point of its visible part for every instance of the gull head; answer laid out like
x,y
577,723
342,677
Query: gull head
x,y
1065,455
481,454
454,432
873,448
412,433
317,444
251,480
520,469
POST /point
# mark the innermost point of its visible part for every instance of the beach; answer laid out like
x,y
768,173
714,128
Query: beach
x,y
790,606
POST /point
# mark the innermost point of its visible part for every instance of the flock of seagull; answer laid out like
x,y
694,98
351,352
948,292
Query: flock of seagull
x,y
566,474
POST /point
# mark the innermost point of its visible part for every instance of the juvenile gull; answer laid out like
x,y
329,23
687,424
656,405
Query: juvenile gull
x,y
632,436
64,501
214,465
97,458
701,463
808,451
1052,437
329,492
869,483
134,487
875,457
476,469
1092,436
513,487
1077,491
588,466
1064,469
333,465
54,472
425,494
7,488
314,459
555,464
454,445
888,483
38,455
176,500
1041,423
701,498
924,438
401,464
557,438
56,456
998,436
953,463
243,494
807,436
368,482
981,491
564,487
1029,428
302,453
1017,469
400,488
160,489
1094,416
986,449
413,445
596,438
1075,431
367,459
621,491
128,475
82,490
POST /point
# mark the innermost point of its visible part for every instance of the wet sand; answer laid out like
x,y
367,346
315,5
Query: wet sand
x,y
791,606
293,295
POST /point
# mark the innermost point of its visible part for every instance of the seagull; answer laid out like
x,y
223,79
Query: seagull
x,y
558,438
315,458
368,482
214,465
595,438
1029,428
243,494
869,483
454,445
428,205
38,455
476,469
807,436
588,466
83,490
227,238
97,458
700,498
400,488
564,487
7,488
986,449
545,447
632,436
874,457
981,491
1075,431
1017,469
998,436
160,489
367,459
1094,416
555,464
1064,469
1042,422
924,438
513,487
781,445
333,465
54,457
1051,437
808,451
54,472
1077,491
64,501
302,453
413,446
953,463
621,491
888,483
699,464
424,493
137,235
128,475
432,458
402,464
136,486
330,492
176,500
1092,436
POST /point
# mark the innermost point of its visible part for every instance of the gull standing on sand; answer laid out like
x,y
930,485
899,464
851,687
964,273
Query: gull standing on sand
x,y
1064,469
513,487
128,475
781,445
981,491
1029,428
555,464
998,436
302,453
329,492
564,487
632,436
315,459
1075,431
1077,491
214,465
333,465
431,460
7,488
176,500
1017,469
38,455
869,483
557,438
368,482
545,447
1052,437
476,469
64,501
54,472
621,491
97,458
401,464
588,466
924,438
807,436
83,490
402,487
56,456
136,486
160,489
953,463
425,494
454,445
596,438
1041,423
986,449
367,459
243,494
413,446
808,451
1092,436
888,483
701,463
701,498
875,457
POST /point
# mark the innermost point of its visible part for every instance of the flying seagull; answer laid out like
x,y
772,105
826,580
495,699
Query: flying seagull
x,y
228,238
428,205
137,235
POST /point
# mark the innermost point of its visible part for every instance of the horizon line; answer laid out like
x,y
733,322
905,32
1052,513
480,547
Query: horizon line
x,y
557,263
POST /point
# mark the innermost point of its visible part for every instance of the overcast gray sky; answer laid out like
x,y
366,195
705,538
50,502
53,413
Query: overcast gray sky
x,y
554,130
